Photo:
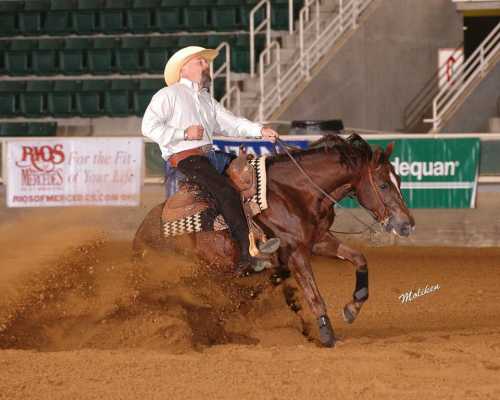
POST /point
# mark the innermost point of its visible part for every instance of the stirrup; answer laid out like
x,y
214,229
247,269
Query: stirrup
x,y
270,246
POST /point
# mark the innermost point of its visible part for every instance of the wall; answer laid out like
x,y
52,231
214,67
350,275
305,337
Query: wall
x,y
383,66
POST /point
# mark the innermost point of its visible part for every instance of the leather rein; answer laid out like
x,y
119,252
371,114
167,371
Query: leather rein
x,y
380,219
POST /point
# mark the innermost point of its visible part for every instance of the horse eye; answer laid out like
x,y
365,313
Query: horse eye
x,y
384,186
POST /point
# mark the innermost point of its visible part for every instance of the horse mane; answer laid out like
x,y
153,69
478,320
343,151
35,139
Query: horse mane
x,y
352,151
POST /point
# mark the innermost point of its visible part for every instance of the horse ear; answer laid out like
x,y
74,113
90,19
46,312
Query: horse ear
x,y
243,151
388,150
376,156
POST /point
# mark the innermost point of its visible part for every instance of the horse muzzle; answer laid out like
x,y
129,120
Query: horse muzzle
x,y
400,226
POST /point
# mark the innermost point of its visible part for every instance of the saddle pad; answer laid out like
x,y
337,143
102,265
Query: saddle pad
x,y
209,219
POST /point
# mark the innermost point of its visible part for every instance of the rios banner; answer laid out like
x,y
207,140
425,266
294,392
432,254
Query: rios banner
x,y
435,173
74,171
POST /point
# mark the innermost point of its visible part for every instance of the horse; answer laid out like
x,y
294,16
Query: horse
x,y
300,190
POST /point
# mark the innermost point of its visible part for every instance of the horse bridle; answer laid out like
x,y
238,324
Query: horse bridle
x,y
327,195
386,213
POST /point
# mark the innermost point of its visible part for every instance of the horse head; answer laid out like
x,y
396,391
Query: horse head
x,y
379,191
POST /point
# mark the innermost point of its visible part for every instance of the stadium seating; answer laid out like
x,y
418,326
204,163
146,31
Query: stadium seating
x,y
9,94
105,37
106,55
33,101
62,17
28,129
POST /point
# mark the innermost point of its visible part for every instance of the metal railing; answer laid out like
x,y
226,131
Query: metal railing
x,y
421,104
469,74
264,26
272,60
224,71
316,38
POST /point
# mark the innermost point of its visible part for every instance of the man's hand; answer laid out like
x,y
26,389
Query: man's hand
x,y
269,134
194,132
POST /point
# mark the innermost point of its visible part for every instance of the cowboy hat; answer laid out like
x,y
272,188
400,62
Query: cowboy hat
x,y
179,58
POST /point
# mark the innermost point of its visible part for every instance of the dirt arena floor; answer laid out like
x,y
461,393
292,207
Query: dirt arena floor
x,y
80,319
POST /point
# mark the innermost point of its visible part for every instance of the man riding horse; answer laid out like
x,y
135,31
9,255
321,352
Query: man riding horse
x,y
183,118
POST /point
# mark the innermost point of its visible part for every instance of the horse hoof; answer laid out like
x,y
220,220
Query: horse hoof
x,y
326,335
270,246
349,314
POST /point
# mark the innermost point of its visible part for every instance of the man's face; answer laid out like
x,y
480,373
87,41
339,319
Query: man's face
x,y
197,70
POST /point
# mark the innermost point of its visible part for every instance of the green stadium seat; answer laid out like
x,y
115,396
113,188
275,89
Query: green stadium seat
x,y
118,101
33,100
140,18
191,40
90,100
24,129
18,59
169,15
196,18
42,129
279,16
130,56
9,94
142,97
73,59
58,19
46,57
245,15
8,11
112,17
4,46
13,129
30,19
85,16
62,100
157,53
101,58
226,15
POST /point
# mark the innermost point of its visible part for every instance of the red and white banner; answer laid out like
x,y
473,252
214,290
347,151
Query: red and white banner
x,y
74,172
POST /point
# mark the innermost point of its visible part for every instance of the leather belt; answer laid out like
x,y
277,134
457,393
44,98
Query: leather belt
x,y
176,158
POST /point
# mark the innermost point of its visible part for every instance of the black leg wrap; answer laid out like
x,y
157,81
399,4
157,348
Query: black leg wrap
x,y
361,291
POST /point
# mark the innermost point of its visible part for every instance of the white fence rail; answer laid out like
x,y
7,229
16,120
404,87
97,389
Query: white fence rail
x,y
468,73
264,26
316,38
224,71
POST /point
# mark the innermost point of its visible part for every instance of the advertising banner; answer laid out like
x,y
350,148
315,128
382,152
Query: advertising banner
x,y
435,173
53,172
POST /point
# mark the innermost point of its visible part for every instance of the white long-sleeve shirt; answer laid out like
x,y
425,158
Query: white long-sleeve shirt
x,y
177,107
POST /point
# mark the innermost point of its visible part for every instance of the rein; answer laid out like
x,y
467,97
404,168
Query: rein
x,y
327,195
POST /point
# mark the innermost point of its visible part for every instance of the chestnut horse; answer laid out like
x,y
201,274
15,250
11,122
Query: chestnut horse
x,y
300,214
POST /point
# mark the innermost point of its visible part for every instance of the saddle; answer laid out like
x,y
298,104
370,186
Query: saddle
x,y
187,212
186,201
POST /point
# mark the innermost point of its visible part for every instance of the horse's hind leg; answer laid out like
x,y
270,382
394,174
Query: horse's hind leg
x,y
330,246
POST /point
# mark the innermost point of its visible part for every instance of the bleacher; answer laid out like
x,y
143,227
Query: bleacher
x,y
93,58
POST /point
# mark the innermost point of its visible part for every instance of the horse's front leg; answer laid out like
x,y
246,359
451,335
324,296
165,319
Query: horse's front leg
x,y
330,246
300,266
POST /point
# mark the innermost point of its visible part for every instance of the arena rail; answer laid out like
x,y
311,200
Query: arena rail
x,y
264,26
367,134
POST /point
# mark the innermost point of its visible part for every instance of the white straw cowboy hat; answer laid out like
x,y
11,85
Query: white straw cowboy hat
x,y
173,68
